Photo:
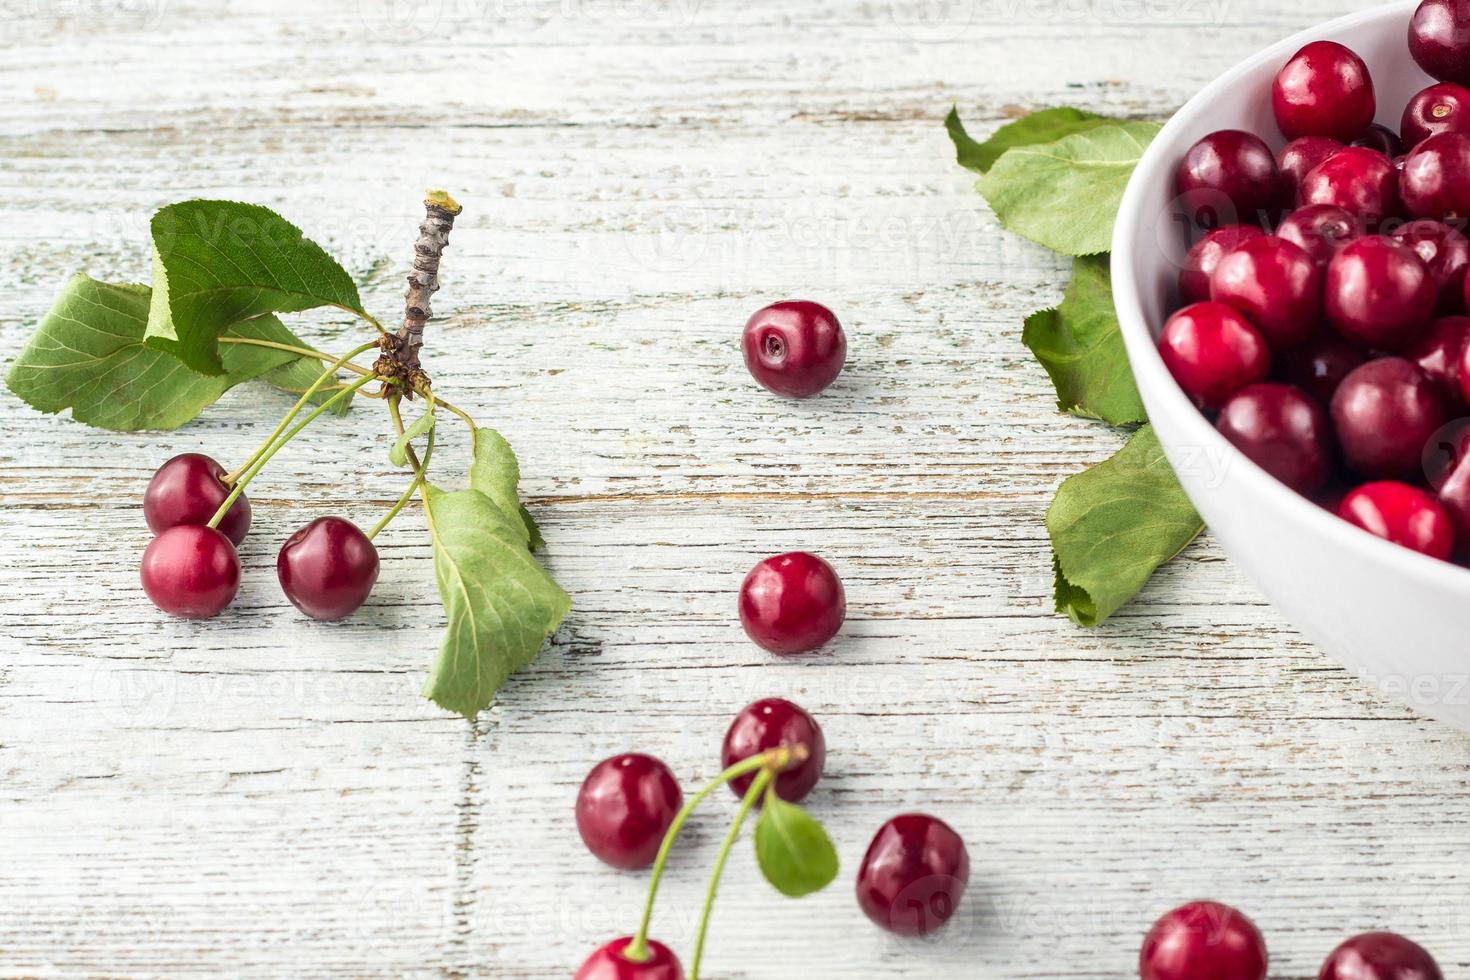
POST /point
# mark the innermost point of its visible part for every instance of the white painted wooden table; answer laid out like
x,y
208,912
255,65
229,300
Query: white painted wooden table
x,y
260,796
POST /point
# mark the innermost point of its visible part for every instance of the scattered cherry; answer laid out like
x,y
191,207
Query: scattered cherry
x,y
1205,254
1229,177
191,570
1378,293
625,807
1381,138
1443,107
1401,514
1439,39
1439,354
327,568
1319,366
1275,284
1283,430
1300,156
1384,413
1321,230
1435,182
1380,956
1324,90
1361,181
792,603
794,348
1203,941
1445,253
913,875
188,489
769,724
609,963
1213,352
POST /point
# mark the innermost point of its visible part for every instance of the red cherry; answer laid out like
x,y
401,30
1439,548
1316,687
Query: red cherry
x,y
1447,463
188,489
1384,413
769,724
1441,108
1283,430
792,603
1324,90
1203,941
794,348
1435,182
191,571
1361,181
1379,294
1439,354
625,807
609,963
913,875
327,568
1401,514
1298,157
1194,274
1380,956
1319,366
1213,352
1275,284
1382,139
1321,230
1445,253
1439,39
1229,177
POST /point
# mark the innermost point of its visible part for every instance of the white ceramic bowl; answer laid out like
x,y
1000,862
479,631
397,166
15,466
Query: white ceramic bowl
x,y
1398,618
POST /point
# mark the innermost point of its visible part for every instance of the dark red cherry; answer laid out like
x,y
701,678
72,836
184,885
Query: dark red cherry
x,y
1435,182
794,348
1380,956
1229,177
1319,366
1447,464
611,963
625,807
1283,430
1439,39
1324,90
188,489
1194,274
1361,181
1384,413
792,603
1299,156
1379,294
1445,252
1439,354
1401,514
1203,941
769,724
1321,230
327,568
1275,284
1380,138
913,875
1443,107
1213,352
191,571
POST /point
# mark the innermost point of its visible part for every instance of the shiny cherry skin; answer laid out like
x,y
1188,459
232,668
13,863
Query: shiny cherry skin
x,y
625,807
191,571
188,489
769,724
1447,464
1380,956
913,875
1212,352
1194,274
792,603
1439,39
1443,107
1321,230
1435,182
1379,294
1445,253
1384,413
1275,284
1299,157
609,963
1324,90
1318,366
1203,941
1283,430
1363,182
1402,514
1439,354
327,568
794,348
1381,138
1229,177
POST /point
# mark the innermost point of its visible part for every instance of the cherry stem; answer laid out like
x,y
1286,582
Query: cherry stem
x,y
420,468
249,475
762,781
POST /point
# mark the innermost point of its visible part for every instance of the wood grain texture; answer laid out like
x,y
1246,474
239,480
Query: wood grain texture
x,y
259,796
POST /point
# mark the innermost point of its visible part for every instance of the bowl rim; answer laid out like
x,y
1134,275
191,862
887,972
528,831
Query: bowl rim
x,y
1157,164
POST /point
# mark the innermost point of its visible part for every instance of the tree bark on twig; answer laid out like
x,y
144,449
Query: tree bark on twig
x,y
400,356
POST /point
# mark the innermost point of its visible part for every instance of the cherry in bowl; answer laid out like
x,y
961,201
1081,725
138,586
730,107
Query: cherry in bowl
x,y
1445,252
1384,413
625,807
1229,177
1441,108
1276,284
1323,90
1401,514
1379,294
327,568
1205,254
1435,182
1203,941
1380,956
1440,352
191,571
188,489
771,723
1321,230
1283,430
913,875
1212,352
1363,182
1301,156
610,962
792,603
794,348
1439,39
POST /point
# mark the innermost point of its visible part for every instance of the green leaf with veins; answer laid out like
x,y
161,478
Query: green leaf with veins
x,y
1112,525
500,604
792,848
533,530
398,455
1082,350
219,262
495,472
1042,126
1065,195
88,355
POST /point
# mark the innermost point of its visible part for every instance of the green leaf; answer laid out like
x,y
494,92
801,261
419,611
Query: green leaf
x,y
300,374
1082,350
533,531
398,455
1043,126
495,472
793,850
1112,525
1065,194
219,262
88,355
501,605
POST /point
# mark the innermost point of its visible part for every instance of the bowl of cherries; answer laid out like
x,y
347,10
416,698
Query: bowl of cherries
x,y
1289,273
